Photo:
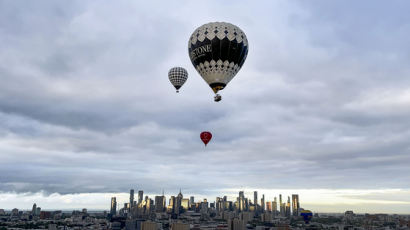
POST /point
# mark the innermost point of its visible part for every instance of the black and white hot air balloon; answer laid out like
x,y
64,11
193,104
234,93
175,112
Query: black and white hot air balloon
x,y
218,50
177,76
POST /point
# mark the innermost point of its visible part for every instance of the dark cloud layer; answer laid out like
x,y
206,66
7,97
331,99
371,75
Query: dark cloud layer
x,y
86,106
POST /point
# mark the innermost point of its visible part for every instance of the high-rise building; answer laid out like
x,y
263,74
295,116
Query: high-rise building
x,y
171,204
34,209
113,210
268,206
263,203
295,204
140,196
38,210
281,206
255,198
178,206
280,199
287,209
131,198
274,206
185,203
160,203
241,201
219,205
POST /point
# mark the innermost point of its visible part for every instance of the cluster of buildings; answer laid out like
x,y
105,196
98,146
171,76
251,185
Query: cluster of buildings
x,y
143,207
53,220
183,213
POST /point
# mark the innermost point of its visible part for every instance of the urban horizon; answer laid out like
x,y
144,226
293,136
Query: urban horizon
x,y
122,197
142,212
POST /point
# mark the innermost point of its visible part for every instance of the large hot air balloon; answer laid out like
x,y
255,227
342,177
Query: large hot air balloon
x,y
218,50
206,137
307,215
177,76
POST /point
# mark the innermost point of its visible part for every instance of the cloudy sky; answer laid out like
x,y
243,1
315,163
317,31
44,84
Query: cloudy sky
x,y
320,108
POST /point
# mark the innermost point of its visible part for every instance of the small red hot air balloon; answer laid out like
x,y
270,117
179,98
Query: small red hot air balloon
x,y
206,137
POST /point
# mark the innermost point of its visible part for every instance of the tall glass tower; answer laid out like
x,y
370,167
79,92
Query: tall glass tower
x,y
140,196
295,204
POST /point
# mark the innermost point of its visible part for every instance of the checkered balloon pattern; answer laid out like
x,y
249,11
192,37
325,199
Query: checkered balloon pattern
x,y
177,76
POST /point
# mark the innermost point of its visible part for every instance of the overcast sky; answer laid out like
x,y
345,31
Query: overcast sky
x,y
321,106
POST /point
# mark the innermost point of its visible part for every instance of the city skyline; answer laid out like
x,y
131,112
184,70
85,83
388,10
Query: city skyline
x,y
97,201
320,107
186,212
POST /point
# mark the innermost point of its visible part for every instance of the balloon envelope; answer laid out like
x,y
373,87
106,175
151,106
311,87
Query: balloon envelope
x,y
206,137
218,50
177,76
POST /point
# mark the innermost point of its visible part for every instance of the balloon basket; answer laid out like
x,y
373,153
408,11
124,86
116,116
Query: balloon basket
x,y
217,98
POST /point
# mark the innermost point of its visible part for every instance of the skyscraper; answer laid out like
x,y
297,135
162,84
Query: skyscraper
x,y
113,210
131,198
287,209
255,198
269,206
34,209
263,203
140,196
281,206
179,202
241,201
274,206
219,205
160,203
172,203
295,204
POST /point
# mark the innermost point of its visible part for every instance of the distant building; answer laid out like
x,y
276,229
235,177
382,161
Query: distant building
x,y
246,216
295,204
255,198
113,209
14,212
274,206
160,203
140,196
38,210
236,224
148,225
179,226
268,206
34,209
241,201
185,204
131,198
266,217
45,215
287,209
263,203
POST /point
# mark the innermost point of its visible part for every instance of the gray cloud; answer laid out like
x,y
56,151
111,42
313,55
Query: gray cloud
x,y
86,106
